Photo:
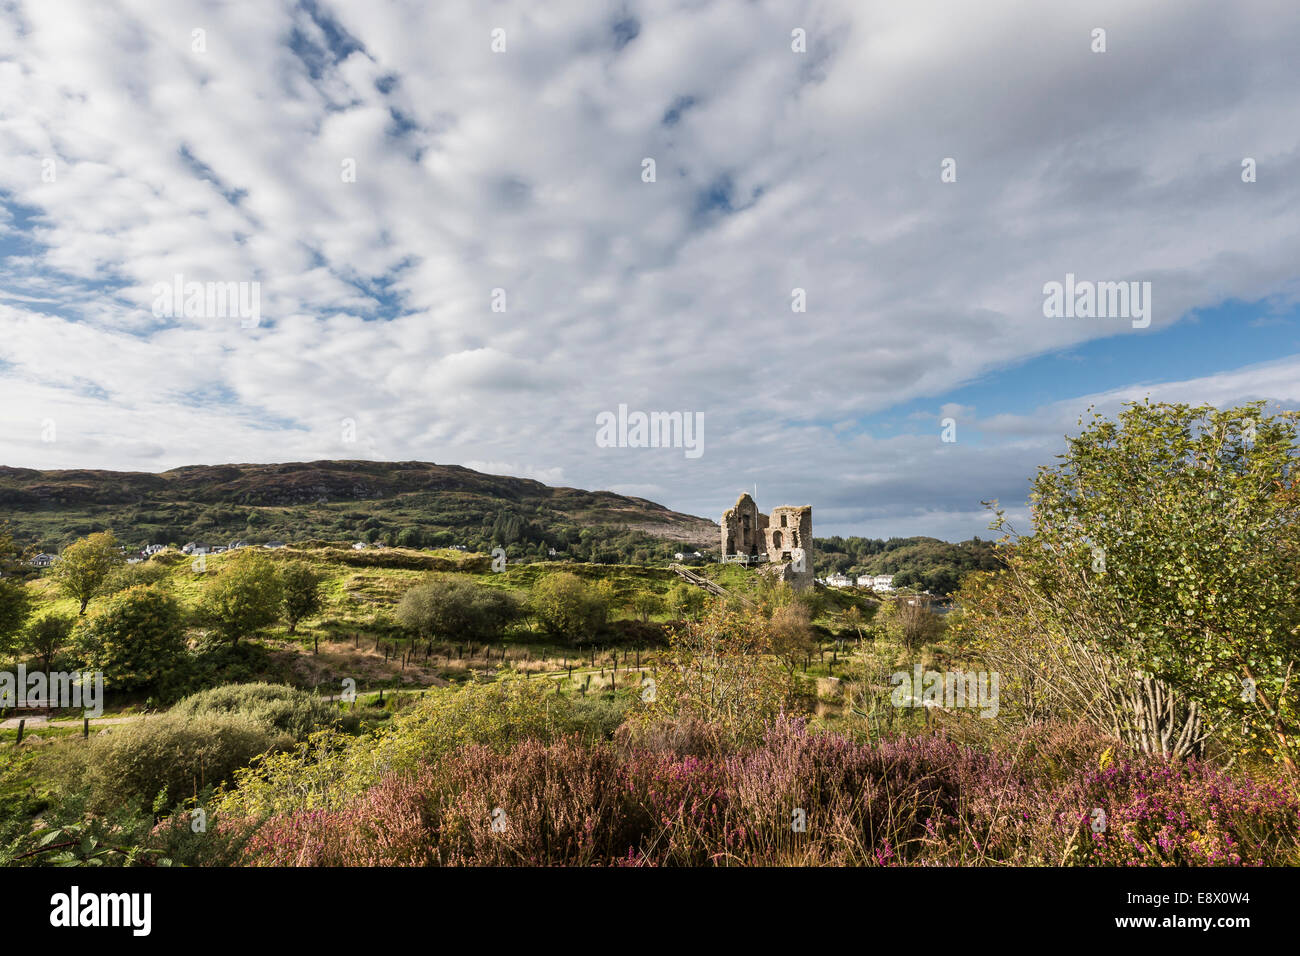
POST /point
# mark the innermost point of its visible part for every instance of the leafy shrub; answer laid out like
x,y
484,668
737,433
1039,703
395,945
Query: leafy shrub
x,y
567,607
137,639
214,663
168,559
596,718
452,607
1161,579
46,636
719,670
131,575
330,768
633,633
277,706
15,606
175,755
69,834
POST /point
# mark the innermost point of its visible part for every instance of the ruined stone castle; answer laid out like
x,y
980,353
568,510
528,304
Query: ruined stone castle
x,y
782,540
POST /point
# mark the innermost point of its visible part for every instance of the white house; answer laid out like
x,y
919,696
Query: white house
x,y
882,582
839,580
42,560
152,549
359,546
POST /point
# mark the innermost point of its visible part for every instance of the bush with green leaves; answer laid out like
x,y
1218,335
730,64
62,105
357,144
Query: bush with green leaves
x,y
906,619
174,756
1162,576
70,834
687,601
331,767
130,575
137,639
454,608
720,670
568,607
278,706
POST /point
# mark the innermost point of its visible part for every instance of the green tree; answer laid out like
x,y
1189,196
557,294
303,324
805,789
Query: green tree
x,y
302,593
686,601
907,620
791,634
85,566
852,619
15,601
566,606
449,606
10,560
1166,551
245,598
645,605
46,636
720,670
15,606
137,639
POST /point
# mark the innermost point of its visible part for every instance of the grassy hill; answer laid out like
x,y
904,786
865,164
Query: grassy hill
x,y
414,504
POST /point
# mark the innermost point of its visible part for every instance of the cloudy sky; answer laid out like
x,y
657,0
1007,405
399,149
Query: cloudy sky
x,y
458,258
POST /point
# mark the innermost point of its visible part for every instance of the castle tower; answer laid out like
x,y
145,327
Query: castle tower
x,y
784,538
743,527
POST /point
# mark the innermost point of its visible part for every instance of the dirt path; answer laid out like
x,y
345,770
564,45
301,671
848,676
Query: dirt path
x,y
41,720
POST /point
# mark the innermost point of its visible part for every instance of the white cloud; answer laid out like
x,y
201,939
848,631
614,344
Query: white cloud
x,y
521,171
